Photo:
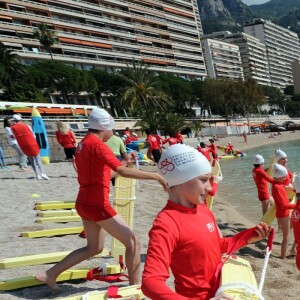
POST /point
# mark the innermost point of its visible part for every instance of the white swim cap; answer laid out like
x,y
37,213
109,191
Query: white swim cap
x,y
181,163
297,183
279,171
258,160
100,119
17,117
134,134
279,154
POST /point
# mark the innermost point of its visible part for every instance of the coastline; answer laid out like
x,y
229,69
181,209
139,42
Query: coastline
x,y
17,215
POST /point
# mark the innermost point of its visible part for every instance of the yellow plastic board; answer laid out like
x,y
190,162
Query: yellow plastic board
x,y
216,171
124,195
63,219
128,292
17,283
270,215
51,232
57,213
38,259
48,206
54,202
236,274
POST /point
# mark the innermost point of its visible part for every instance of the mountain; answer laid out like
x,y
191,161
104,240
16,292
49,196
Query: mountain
x,y
218,15
276,8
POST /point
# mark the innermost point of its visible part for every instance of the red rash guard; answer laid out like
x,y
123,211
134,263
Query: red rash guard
x,y
128,133
296,226
153,144
261,179
289,177
205,152
179,137
171,141
94,160
187,240
283,205
158,138
66,140
213,150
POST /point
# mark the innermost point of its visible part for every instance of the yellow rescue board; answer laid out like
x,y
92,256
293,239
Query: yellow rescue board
x,y
128,292
124,196
51,232
216,171
27,281
270,215
48,206
57,213
38,259
238,280
63,219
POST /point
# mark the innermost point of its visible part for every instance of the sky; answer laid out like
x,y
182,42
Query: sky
x,y
250,2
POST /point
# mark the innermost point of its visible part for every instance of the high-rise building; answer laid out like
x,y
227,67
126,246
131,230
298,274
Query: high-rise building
x,y
108,34
222,59
253,54
282,47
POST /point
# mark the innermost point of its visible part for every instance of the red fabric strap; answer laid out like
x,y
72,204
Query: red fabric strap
x,y
270,239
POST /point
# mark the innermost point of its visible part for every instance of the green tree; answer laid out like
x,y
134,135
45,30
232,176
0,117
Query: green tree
x,y
46,37
171,122
23,92
149,120
275,97
141,89
196,126
10,67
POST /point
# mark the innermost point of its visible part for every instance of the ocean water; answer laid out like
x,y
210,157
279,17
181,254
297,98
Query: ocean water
x,y
238,187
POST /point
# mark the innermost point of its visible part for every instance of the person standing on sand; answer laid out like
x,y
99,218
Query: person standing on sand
x,y
185,237
282,205
14,144
261,179
154,151
94,162
27,142
244,136
295,218
213,149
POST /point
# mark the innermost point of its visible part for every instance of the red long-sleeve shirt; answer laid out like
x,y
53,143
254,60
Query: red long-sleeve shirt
x,y
261,179
289,177
153,143
205,152
66,140
171,141
296,226
187,240
281,199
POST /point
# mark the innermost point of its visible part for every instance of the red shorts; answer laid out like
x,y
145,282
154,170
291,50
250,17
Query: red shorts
x,y
95,213
263,196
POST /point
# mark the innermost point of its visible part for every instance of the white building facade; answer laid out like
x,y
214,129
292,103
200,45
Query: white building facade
x,y
282,47
223,60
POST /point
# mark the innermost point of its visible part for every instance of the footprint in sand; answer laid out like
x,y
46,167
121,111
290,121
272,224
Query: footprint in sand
x,y
274,264
280,284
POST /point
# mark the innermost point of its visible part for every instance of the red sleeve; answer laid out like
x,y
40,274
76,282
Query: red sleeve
x,y
73,139
108,157
58,137
165,141
265,176
163,237
281,199
231,244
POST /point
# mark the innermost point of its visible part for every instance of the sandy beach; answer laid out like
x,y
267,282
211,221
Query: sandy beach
x,y
17,215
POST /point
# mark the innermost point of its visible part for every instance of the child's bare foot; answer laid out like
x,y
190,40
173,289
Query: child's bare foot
x,y
43,277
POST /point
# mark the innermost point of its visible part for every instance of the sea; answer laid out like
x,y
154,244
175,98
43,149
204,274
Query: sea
x,y
238,187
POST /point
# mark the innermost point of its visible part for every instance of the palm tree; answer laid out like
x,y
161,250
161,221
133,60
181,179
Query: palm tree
x,y
46,37
141,89
171,122
10,67
149,120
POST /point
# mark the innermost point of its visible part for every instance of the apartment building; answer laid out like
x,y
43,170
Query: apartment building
x,y
108,34
223,60
253,54
282,47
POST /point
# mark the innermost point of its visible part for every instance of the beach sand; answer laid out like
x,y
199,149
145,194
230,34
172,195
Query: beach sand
x,y
17,215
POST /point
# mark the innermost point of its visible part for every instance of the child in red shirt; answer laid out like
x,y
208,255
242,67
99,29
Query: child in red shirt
x,y
94,161
283,205
185,237
261,179
295,218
